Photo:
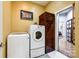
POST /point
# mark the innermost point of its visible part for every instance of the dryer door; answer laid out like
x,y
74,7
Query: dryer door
x,y
38,35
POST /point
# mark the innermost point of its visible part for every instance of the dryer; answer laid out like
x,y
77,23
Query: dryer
x,y
37,40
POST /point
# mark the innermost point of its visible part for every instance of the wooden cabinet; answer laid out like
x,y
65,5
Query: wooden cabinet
x,y
48,20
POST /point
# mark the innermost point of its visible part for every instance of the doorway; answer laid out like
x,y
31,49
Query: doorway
x,y
65,32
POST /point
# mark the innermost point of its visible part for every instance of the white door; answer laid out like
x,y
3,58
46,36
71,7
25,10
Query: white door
x,y
1,35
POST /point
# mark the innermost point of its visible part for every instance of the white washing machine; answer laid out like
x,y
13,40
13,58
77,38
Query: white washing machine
x,y
18,45
37,40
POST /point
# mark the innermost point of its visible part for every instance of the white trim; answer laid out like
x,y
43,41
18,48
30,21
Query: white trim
x,y
56,25
56,32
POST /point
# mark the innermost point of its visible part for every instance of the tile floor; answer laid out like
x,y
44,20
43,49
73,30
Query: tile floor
x,y
54,54
66,48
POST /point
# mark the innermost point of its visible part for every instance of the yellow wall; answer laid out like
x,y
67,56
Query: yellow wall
x,y
53,7
18,25
6,23
77,28
57,5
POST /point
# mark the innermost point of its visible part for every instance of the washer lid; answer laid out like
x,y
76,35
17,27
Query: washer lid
x,y
18,34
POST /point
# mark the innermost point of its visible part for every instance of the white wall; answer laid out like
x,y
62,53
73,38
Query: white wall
x,y
1,22
1,30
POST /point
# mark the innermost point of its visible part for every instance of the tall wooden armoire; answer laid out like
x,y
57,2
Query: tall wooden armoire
x,y
48,20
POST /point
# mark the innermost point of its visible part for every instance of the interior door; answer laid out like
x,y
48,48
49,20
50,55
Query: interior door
x,y
1,35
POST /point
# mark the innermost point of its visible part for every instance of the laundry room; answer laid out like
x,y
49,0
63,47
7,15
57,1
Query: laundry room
x,y
30,29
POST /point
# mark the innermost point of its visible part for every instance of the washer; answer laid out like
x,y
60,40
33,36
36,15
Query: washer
x,y
18,45
37,40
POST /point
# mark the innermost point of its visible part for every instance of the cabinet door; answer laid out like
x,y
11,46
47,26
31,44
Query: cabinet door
x,y
48,20
51,33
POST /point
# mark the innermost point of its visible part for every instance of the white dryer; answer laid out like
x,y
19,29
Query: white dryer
x,y
37,40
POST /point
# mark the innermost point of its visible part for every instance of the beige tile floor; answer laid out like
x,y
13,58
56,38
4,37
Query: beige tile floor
x,y
66,48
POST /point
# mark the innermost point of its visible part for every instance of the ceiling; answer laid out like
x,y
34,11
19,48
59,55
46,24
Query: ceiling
x,y
43,3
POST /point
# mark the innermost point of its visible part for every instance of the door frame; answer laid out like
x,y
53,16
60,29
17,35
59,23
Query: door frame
x,y
56,25
1,30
